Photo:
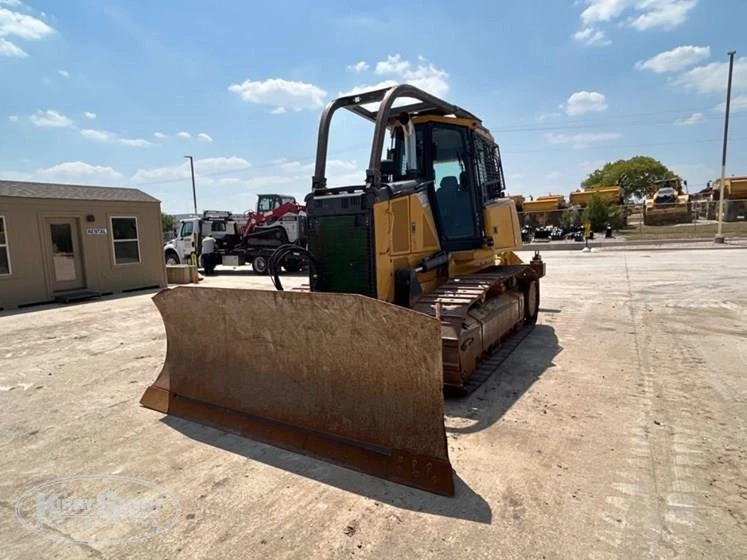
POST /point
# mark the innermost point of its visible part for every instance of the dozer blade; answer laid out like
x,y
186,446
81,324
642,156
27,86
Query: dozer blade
x,y
345,378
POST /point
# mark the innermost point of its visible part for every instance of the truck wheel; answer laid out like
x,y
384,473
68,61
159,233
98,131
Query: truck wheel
x,y
259,266
531,301
172,258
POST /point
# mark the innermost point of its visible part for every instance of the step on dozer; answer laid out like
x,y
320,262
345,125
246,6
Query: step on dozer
x,y
414,288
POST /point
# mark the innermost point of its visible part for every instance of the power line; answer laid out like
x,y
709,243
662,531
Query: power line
x,y
582,126
302,159
616,146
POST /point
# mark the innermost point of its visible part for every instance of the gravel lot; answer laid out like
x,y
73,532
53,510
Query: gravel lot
x,y
617,429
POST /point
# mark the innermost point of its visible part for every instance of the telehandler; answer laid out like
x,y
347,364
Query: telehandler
x,y
414,287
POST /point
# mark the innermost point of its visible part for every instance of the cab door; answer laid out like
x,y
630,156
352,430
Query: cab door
x,y
185,243
457,202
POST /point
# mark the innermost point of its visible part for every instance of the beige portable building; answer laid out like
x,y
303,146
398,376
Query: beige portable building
x,y
68,242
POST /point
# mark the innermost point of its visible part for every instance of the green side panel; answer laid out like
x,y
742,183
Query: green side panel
x,y
341,246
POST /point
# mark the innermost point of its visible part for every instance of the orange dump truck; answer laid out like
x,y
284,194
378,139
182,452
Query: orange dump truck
x,y
544,210
611,195
735,197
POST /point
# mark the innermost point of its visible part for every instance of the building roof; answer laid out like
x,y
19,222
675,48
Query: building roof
x,y
27,189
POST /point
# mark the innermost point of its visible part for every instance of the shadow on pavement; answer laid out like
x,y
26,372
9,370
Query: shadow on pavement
x,y
466,503
247,271
531,359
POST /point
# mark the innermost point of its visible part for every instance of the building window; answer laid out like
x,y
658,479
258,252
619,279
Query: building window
x,y
4,252
125,238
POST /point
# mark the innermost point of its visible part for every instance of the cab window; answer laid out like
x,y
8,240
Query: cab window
x,y
187,229
452,184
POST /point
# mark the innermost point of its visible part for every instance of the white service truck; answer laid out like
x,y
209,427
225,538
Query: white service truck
x,y
249,240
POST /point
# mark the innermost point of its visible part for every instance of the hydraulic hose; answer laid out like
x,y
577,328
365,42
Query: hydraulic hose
x,y
276,260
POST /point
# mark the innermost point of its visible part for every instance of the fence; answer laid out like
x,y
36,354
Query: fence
x,y
698,219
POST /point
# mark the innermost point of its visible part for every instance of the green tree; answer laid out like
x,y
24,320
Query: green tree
x,y
634,175
167,222
597,213
600,214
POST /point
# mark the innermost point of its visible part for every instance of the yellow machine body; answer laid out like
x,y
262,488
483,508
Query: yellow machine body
x,y
414,285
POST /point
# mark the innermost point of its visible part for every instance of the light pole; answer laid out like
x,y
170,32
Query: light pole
x,y
194,191
720,235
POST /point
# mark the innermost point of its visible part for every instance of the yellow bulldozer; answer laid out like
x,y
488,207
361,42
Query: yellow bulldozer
x,y
415,288
667,203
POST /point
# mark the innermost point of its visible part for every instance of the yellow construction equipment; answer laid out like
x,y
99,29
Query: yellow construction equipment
x,y
414,287
518,201
666,203
610,195
735,198
545,210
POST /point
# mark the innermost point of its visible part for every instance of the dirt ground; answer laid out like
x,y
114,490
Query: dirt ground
x,y
617,429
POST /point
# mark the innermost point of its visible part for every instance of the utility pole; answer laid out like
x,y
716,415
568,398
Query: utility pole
x,y
720,235
194,191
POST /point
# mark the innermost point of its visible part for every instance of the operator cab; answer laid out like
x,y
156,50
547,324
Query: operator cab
x,y
266,203
435,156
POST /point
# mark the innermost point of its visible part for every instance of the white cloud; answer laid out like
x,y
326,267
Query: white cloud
x,y
21,25
334,166
695,118
603,10
581,140
134,142
204,137
675,60
13,118
12,3
159,135
185,135
50,118
428,78
9,49
281,93
203,169
97,135
64,73
368,87
711,78
392,65
424,75
90,115
581,102
591,36
664,14
361,66
278,111
643,14
78,170
162,174
737,105
106,136
222,163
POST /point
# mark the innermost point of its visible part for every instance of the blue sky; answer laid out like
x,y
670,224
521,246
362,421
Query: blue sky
x,y
117,92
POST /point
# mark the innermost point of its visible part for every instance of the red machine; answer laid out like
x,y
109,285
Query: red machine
x,y
276,210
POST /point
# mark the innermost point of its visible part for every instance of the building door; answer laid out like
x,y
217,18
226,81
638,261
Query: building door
x,y
64,244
